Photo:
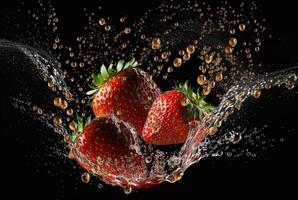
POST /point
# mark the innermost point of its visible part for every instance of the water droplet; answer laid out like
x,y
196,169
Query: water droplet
x,y
208,58
177,62
127,30
57,101
57,121
232,42
67,139
128,189
73,126
85,177
164,55
256,93
228,50
68,96
236,137
241,27
178,174
102,21
185,101
107,27
63,104
190,49
186,57
181,52
148,160
232,31
290,85
218,76
156,128
206,90
212,130
170,178
39,111
170,69
155,43
201,80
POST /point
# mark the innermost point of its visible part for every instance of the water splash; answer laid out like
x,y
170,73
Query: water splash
x,y
161,165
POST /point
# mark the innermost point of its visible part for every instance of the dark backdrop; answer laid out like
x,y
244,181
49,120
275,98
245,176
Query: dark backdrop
x,y
30,170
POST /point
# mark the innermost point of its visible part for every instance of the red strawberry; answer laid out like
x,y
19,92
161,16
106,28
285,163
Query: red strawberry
x,y
171,114
127,92
101,150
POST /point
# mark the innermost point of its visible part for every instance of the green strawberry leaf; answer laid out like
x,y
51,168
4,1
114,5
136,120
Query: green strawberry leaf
x,y
106,73
119,66
197,106
73,137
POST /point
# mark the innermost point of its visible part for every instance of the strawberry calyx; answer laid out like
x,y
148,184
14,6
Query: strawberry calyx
x,y
197,105
107,72
81,124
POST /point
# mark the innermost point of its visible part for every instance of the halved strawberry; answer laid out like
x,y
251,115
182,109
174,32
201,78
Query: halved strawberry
x,y
103,148
171,114
126,92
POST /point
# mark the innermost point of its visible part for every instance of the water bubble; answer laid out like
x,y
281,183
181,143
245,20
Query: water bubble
x,y
212,130
228,50
242,27
235,137
73,126
39,111
127,30
177,62
201,80
63,104
102,21
218,76
170,178
256,93
85,177
107,27
186,57
185,101
170,69
68,96
155,43
148,159
57,121
181,52
178,174
127,189
99,186
232,42
208,58
57,101
164,55
190,49
206,90
290,85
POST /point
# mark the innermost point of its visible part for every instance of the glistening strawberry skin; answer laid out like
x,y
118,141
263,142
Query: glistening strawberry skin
x,y
166,122
128,94
172,114
104,151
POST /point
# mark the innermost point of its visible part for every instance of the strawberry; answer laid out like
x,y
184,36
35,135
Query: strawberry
x,y
102,150
171,114
127,92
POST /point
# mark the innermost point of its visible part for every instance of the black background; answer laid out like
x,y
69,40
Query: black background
x,y
274,171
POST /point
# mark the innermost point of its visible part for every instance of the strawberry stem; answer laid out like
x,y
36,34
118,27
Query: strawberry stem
x,y
197,102
107,72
